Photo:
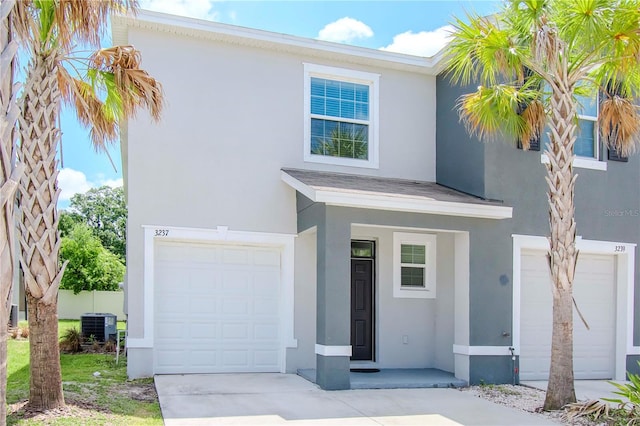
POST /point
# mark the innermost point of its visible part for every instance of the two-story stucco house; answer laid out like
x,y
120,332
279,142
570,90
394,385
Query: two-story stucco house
x,y
311,205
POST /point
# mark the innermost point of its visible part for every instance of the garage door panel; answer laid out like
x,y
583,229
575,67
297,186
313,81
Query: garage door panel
x,y
202,358
265,331
238,256
266,257
594,292
216,309
236,281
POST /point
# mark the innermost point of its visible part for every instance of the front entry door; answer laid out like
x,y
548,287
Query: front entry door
x,y
362,300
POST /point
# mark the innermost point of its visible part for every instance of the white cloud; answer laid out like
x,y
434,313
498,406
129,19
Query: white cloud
x,y
202,9
73,182
113,183
424,43
345,30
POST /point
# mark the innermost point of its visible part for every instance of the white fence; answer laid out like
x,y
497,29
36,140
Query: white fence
x,y
72,306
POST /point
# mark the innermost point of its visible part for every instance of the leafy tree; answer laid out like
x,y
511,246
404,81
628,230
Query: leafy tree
x,y
104,211
532,60
90,266
109,86
67,221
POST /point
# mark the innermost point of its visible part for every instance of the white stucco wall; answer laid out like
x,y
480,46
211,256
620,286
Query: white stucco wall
x,y
234,118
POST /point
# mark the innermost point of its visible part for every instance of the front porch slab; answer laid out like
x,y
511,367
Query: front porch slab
x,y
397,378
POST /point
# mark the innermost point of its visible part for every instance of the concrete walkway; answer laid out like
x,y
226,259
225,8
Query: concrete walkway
x,y
287,399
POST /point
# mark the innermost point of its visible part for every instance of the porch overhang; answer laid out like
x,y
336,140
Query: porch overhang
x,y
371,192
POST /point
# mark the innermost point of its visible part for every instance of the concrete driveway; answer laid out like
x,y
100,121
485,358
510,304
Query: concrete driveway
x,y
287,399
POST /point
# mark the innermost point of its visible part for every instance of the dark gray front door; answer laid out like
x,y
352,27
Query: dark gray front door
x,y
362,305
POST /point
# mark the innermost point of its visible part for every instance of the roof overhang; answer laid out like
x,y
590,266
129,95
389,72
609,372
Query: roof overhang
x,y
234,34
355,198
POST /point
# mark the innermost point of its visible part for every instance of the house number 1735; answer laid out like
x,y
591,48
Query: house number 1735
x,y
161,233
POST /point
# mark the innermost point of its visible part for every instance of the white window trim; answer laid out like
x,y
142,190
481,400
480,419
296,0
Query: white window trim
x,y
591,163
343,74
581,163
427,240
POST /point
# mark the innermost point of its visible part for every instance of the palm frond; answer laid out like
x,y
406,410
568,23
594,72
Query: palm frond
x,y
535,118
84,20
92,113
594,408
134,86
546,45
21,21
481,51
491,111
619,124
579,20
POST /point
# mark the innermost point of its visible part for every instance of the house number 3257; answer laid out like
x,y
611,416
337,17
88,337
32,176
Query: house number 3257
x,y
161,233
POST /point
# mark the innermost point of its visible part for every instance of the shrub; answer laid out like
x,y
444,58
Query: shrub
x,y
71,340
631,394
24,332
110,346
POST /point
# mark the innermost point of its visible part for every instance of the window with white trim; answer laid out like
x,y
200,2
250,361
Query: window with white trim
x,y
587,135
587,145
414,265
341,116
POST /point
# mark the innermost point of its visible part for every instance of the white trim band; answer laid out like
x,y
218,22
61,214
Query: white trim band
x,y
333,350
481,350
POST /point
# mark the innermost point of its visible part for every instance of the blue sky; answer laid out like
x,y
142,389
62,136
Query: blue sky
x,y
413,27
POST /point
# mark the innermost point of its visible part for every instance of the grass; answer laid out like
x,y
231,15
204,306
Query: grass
x,y
108,398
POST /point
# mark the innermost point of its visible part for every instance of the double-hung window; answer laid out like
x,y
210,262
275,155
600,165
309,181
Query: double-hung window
x,y
587,135
587,145
341,116
414,264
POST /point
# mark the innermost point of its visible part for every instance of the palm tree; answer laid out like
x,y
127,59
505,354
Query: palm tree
x,y
10,172
112,88
532,60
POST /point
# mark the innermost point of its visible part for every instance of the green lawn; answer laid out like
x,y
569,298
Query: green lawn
x,y
109,397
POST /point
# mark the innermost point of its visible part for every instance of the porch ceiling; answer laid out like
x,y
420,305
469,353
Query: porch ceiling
x,y
371,192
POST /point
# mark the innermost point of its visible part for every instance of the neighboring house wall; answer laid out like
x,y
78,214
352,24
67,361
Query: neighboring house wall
x,y
73,306
607,202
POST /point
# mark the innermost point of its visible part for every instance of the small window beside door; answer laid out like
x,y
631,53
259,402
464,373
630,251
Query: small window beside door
x,y
414,265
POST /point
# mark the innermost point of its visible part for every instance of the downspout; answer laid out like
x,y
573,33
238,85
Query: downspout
x,y
514,370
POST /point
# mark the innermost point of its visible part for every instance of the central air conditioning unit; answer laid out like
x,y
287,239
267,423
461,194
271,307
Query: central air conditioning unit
x,y
101,326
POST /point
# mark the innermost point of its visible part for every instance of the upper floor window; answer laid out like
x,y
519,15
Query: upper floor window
x,y
587,139
341,116
587,145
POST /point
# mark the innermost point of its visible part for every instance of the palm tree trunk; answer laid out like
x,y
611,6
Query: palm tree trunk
x,y
39,238
9,177
562,254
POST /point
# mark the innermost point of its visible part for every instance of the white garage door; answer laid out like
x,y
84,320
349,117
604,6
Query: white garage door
x,y
594,292
216,308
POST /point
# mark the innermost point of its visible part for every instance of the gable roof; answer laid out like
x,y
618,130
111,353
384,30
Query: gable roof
x,y
346,190
269,40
